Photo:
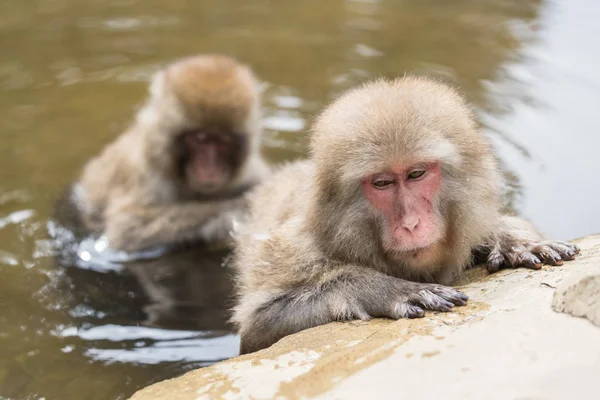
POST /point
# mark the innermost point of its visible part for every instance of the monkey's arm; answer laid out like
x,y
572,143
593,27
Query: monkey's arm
x,y
518,244
343,293
135,228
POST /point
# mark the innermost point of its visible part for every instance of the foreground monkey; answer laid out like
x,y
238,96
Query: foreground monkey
x,y
179,173
401,188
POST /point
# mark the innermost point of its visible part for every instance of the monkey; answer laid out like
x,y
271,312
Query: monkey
x,y
399,189
180,172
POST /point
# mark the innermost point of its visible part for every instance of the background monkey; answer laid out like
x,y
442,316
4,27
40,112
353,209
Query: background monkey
x,y
399,191
179,172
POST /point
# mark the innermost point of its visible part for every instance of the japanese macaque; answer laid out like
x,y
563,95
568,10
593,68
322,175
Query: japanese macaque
x,y
179,173
399,191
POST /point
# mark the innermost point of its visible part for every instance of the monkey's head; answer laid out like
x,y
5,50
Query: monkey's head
x,y
404,160
203,121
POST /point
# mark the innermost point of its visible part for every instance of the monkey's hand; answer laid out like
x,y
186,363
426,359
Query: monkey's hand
x,y
347,293
514,252
133,228
518,244
404,299
359,292
221,227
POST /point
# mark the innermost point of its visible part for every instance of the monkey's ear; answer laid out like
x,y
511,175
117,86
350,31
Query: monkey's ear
x,y
158,84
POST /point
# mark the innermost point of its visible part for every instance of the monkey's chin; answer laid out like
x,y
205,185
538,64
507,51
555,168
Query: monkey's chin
x,y
209,188
415,253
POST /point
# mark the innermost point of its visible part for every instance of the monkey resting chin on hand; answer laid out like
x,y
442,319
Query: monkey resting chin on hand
x,y
399,191
179,173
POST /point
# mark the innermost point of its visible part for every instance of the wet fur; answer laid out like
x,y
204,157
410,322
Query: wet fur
x,y
135,191
311,251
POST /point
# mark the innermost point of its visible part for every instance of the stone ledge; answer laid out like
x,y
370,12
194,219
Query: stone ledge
x,y
508,343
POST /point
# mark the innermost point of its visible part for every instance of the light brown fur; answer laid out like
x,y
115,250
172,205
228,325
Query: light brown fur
x,y
133,191
312,253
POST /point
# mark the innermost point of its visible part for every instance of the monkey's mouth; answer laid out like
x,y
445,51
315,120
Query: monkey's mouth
x,y
420,251
207,161
413,252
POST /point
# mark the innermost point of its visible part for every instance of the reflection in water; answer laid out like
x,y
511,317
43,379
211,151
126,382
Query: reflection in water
x,y
180,314
74,69
206,351
173,303
102,326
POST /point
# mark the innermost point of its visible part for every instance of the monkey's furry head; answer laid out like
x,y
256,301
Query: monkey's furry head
x,y
206,93
387,124
397,122
213,88
204,90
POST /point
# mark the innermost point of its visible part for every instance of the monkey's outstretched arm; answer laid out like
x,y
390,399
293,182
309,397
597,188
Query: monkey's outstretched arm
x,y
343,293
518,244
137,228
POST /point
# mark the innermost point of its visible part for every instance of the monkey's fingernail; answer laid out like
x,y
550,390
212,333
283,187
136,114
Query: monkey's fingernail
x,y
558,262
448,304
494,262
416,312
493,268
459,299
537,265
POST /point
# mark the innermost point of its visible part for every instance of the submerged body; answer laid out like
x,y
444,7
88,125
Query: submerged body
x,y
399,191
179,173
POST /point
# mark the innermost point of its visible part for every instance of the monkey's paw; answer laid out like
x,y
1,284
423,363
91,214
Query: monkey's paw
x,y
430,297
527,254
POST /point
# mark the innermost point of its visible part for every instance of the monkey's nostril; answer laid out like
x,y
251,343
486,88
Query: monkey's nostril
x,y
410,224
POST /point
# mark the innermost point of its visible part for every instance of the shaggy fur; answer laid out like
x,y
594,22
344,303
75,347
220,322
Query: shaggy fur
x,y
134,191
311,250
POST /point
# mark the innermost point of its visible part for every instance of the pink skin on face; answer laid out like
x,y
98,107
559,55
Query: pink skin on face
x,y
405,198
208,155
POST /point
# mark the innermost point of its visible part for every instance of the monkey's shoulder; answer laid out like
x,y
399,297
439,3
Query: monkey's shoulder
x,y
300,170
290,180
284,195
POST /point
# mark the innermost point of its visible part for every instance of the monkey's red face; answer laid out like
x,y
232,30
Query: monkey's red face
x,y
405,197
210,160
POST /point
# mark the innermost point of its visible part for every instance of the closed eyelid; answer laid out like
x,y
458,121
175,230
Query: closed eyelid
x,y
384,177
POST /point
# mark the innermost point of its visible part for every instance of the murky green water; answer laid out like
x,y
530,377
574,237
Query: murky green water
x,y
73,71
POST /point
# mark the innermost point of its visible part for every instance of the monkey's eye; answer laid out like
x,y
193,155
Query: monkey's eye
x,y
416,174
382,183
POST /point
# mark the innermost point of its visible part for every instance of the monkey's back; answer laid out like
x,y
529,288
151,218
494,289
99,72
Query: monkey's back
x,y
273,241
285,195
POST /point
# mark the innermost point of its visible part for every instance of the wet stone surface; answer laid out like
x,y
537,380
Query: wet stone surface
x,y
507,333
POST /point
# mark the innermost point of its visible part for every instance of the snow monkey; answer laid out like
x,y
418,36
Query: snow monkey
x,y
399,190
178,174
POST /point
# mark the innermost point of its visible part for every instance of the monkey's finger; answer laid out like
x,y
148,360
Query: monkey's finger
x,y
529,260
362,314
495,261
548,255
432,301
404,309
575,248
519,256
459,300
451,295
566,250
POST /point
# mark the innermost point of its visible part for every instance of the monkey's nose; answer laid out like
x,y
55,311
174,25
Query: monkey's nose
x,y
410,224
